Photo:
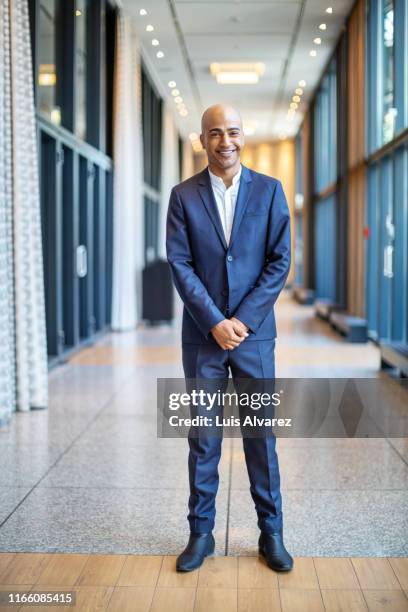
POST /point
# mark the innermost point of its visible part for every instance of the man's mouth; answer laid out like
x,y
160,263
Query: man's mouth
x,y
227,152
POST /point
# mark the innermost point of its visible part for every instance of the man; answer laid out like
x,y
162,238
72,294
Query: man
x,y
228,246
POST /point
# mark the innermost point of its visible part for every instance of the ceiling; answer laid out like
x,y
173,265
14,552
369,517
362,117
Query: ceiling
x,y
194,33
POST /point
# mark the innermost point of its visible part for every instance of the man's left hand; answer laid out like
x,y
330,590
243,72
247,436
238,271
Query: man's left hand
x,y
239,327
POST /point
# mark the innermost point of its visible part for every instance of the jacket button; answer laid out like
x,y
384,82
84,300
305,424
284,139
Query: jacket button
x,y
230,258
224,292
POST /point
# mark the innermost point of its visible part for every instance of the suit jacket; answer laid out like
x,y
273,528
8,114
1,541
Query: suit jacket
x,y
242,279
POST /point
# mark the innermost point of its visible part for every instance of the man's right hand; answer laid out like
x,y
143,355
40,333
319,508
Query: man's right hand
x,y
227,335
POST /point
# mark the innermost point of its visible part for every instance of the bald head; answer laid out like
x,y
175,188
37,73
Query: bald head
x,y
222,137
219,112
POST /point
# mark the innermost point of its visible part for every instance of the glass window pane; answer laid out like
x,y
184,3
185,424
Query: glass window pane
x,y
47,73
80,68
389,110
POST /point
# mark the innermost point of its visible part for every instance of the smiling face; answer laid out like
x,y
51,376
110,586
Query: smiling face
x,y
222,136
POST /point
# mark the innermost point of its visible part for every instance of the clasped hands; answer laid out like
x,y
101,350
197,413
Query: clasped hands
x,y
229,333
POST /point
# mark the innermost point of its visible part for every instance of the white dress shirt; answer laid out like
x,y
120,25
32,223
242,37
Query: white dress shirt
x,y
226,199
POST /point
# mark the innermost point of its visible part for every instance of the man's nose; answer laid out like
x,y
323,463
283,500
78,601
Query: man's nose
x,y
225,139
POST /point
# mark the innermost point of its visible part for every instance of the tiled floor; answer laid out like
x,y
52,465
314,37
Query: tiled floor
x,y
89,475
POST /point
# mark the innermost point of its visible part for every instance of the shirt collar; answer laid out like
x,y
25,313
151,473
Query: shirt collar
x,y
217,181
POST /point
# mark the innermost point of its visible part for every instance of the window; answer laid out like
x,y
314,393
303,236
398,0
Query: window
x,y
47,71
80,67
389,110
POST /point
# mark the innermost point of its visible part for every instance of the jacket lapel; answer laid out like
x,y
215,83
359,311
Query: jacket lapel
x,y
245,188
207,196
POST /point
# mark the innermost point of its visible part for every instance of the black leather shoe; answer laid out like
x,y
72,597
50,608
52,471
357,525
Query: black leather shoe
x,y
200,545
271,546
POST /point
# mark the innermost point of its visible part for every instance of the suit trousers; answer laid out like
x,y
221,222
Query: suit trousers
x,y
252,366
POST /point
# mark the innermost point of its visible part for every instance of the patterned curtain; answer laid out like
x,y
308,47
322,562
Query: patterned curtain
x,y
128,186
23,352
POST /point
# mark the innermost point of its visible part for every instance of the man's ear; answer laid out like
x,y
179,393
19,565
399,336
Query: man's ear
x,y
202,141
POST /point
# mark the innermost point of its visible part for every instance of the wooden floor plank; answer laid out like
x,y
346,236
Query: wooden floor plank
x,y
303,575
301,600
255,574
341,600
140,570
131,599
335,573
257,600
5,560
169,577
386,601
173,600
101,570
400,567
375,573
216,600
25,568
219,572
63,569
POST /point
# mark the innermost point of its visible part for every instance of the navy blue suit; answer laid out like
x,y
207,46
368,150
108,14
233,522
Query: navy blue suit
x,y
215,281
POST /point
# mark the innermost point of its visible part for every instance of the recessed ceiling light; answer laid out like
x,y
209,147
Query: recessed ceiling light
x,y
299,91
329,9
160,54
322,26
317,41
175,92
155,42
313,53
296,99
78,13
149,28
178,99
293,105
237,73
172,84
302,83
142,12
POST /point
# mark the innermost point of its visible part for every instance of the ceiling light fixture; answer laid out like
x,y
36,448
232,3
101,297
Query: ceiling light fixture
x,y
172,84
329,10
175,92
155,42
299,91
237,73
142,12
149,28
317,41
160,54
313,53
178,99
296,98
322,26
302,83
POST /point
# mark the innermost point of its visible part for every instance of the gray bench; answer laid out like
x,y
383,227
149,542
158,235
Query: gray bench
x,y
303,296
324,307
395,355
354,329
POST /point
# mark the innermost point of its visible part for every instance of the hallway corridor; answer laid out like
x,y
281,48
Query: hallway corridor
x,y
89,475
